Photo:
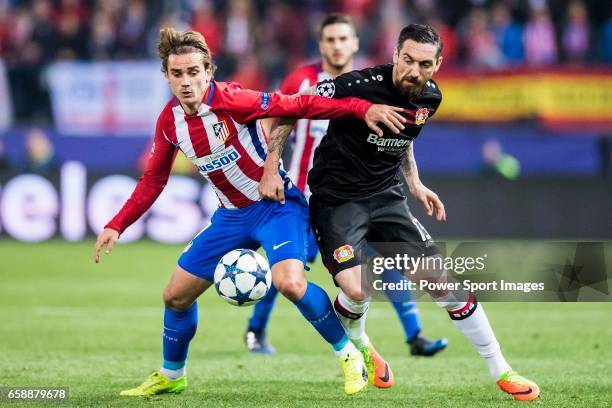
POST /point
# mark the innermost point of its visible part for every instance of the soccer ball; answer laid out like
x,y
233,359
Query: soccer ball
x,y
242,277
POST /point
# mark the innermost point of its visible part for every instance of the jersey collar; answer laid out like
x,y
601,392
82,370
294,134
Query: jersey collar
x,y
209,93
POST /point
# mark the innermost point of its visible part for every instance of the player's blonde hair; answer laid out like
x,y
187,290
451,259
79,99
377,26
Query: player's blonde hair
x,y
175,42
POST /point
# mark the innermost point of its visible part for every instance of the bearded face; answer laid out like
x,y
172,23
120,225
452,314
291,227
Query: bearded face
x,y
413,65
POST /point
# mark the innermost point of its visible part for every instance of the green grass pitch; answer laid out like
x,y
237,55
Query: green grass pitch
x,y
97,329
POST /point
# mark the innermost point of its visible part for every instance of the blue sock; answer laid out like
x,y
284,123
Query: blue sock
x,y
409,316
179,329
404,306
262,310
318,310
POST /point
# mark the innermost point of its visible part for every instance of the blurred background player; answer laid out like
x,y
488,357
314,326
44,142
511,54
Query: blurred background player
x,y
497,163
210,121
338,44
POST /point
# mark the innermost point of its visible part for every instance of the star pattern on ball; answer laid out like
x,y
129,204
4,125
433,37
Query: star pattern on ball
x,y
245,282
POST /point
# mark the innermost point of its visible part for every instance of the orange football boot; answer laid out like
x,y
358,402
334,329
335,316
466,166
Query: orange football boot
x,y
519,387
379,371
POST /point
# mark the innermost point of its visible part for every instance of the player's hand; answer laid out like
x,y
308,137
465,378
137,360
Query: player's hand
x,y
272,187
430,201
388,115
107,238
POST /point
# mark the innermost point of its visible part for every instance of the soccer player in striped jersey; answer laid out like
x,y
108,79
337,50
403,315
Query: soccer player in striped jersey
x,y
215,125
338,44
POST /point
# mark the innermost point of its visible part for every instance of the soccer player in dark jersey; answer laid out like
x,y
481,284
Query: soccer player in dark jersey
x,y
357,196
338,44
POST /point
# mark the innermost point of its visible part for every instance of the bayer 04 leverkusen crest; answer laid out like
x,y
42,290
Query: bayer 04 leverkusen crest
x,y
421,116
344,253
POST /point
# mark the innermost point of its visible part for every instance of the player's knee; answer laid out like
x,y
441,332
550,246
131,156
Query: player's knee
x,y
356,293
175,301
455,301
289,279
292,288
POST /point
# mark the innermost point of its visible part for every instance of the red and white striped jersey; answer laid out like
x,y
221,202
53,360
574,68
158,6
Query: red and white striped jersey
x,y
225,141
307,133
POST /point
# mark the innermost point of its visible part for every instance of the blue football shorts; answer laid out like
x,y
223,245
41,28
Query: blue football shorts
x,y
281,229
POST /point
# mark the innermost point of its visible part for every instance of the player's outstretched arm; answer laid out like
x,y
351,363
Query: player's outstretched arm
x,y
148,188
377,113
106,238
428,199
246,105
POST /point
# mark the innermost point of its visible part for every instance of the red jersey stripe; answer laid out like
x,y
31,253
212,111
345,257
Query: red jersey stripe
x,y
305,159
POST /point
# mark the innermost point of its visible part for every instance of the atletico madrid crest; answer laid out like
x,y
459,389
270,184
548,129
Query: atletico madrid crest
x,y
421,116
221,131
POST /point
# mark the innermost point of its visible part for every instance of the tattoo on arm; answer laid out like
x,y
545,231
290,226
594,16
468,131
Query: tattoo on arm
x,y
281,130
409,167
279,136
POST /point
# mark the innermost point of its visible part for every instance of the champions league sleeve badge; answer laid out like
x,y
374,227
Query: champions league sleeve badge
x,y
326,89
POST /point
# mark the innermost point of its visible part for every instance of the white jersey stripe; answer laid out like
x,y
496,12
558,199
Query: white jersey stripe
x,y
244,138
235,175
262,136
182,132
248,187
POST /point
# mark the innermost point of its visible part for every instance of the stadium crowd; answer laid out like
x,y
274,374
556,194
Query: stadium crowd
x,y
257,42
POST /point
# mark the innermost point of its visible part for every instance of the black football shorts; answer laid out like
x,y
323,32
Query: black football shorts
x,y
343,231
